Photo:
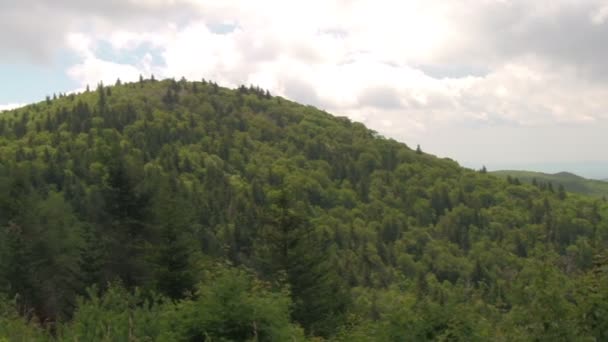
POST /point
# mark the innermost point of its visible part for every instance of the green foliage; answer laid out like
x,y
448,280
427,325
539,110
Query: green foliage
x,y
14,327
568,181
234,306
592,299
290,247
41,256
118,315
344,233
230,305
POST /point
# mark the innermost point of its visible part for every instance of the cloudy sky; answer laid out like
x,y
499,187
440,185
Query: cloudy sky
x,y
507,84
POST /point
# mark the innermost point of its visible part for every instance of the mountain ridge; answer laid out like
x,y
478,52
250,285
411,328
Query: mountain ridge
x,y
570,181
238,215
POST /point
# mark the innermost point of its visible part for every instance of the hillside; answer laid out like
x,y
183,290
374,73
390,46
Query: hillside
x,y
184,211
569,181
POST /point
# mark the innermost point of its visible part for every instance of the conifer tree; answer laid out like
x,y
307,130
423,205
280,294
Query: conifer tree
x,y
291,247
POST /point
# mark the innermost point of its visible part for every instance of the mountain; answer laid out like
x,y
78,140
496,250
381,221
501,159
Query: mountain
x,y
591,169
569,181
174,210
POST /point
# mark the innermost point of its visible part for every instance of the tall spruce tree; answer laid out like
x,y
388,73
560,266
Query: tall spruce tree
x,y
292,250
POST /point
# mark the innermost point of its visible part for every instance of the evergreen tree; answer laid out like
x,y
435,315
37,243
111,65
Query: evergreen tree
x,y
174,260
101,97
291,247
128,231
561,192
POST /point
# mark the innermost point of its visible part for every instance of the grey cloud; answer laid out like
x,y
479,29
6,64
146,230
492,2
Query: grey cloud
x,y
453,70
302,92
21,36
562,33
267,50
109,9
522,144
35,30
380,97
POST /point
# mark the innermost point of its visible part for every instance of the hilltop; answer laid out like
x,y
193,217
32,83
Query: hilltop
x,y
569,181
175,210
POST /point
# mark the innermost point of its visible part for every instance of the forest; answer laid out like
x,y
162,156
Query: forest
x,y
570,182
184,211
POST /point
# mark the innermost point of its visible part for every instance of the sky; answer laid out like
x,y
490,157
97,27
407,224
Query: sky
x,y
514,84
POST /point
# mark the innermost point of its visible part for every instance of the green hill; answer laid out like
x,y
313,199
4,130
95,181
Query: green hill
x,y
184,211
571,182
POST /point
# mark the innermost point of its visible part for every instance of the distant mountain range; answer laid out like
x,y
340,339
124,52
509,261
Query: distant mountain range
x,y
570,181
590,169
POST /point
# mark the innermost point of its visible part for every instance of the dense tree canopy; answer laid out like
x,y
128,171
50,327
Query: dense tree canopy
x,y
174,210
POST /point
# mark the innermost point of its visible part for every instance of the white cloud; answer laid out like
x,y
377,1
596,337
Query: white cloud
x,y
10,106
599,16
34,30
402,67
93,70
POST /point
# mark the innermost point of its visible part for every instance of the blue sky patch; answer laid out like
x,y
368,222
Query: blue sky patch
x,y
26,83
223,28
105,52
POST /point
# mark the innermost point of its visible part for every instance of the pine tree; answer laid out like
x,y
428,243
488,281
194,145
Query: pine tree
x,y
126,209
175,255
561,192
292,248
101,100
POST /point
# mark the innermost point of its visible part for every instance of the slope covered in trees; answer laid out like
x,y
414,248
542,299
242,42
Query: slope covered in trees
x,y
569,181
173,210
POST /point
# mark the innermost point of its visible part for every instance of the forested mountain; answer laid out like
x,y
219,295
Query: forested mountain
x,y
184,211
569,181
